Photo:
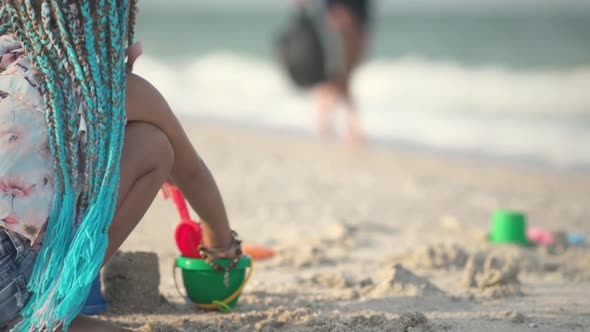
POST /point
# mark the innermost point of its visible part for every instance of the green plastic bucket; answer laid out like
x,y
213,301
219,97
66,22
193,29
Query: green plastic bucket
x,y
509,227
206,287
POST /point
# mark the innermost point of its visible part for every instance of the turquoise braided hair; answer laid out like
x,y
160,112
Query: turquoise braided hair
x,y
78,50
76,27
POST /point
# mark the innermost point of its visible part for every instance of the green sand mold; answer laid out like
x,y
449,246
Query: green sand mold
x,y
509,227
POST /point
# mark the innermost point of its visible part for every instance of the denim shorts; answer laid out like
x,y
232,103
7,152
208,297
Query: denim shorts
x,y
17,259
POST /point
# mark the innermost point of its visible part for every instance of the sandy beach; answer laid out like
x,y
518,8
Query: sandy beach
x,y
374,240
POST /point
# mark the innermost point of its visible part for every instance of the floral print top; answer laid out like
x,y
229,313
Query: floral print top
x,y
26,166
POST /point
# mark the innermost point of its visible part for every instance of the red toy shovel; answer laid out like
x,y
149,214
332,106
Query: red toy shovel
x,y
188,233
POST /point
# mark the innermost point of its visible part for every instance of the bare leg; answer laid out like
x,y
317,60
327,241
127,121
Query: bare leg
x,y
189,172
146,161
353,35
326,98
354,133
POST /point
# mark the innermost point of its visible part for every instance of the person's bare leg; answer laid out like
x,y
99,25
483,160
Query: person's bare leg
x,y
189,172
146,161
356,45
326,99
353,35
355,137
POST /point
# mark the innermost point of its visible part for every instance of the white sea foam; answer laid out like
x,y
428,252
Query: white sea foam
x,y
496,112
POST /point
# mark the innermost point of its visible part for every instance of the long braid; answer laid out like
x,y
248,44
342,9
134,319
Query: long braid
x,y
57,56
132,20
5,25
104,30
89,39
77,34
117,37
64,38
79,60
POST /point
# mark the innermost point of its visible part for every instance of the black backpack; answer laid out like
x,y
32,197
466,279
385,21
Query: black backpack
x,y
301,52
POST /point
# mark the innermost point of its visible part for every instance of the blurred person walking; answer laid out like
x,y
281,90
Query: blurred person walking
x,y
325,54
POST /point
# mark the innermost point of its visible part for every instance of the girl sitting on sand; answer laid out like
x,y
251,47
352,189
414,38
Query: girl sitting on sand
x,y
85,145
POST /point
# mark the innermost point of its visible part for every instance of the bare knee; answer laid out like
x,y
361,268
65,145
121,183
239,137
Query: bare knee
x,y
163,154
158,154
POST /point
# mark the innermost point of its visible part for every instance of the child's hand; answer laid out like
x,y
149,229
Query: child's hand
x,y
234,249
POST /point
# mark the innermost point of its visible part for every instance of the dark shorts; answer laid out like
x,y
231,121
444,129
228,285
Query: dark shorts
x,y
17,259
360,8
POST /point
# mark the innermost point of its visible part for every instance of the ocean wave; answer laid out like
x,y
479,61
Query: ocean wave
x,y
493,111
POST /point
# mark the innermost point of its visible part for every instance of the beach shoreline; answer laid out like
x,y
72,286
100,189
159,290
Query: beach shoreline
x,y
366,236
394,146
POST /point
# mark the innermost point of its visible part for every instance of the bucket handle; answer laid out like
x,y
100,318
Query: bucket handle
x,y
216,305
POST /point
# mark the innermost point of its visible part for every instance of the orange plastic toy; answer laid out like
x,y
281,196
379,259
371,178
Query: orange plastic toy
x,y
258,252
